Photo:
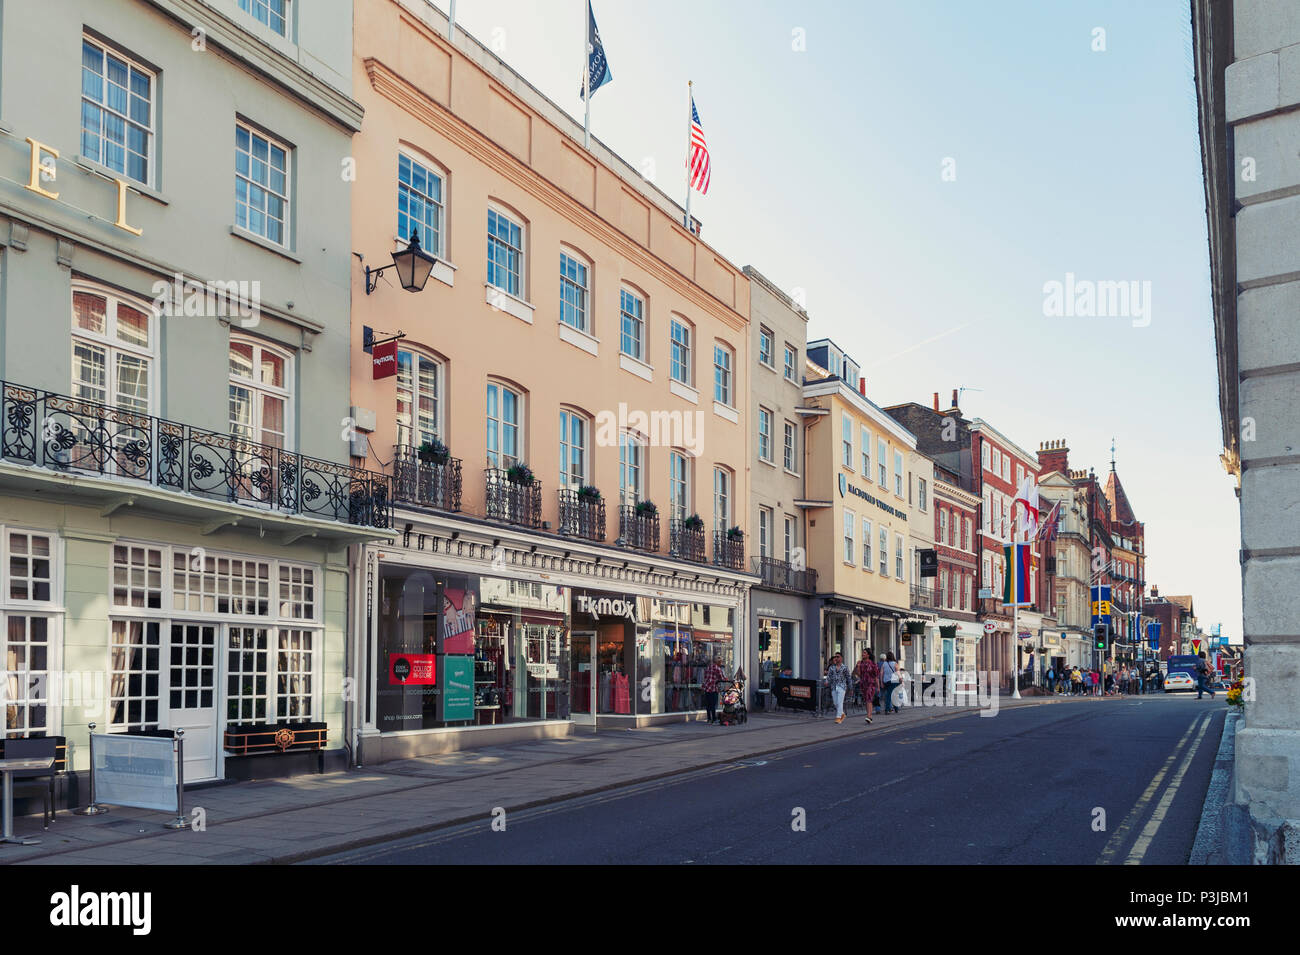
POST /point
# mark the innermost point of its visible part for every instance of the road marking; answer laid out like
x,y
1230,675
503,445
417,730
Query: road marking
x,y
1153,825
1116,840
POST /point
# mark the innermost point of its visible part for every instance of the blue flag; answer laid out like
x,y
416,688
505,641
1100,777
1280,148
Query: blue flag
x,y
598,72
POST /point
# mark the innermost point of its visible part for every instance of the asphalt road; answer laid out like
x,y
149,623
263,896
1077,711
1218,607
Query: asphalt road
x,y
1078,782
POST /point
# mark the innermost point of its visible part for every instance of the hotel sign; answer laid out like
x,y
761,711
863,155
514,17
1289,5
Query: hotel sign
x,y
44,170
847,488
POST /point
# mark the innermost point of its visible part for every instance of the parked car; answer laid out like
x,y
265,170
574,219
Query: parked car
x,y
1179,680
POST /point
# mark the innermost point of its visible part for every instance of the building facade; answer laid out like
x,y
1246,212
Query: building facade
x,y
1072,556
564,415
956,512
780,600
175,494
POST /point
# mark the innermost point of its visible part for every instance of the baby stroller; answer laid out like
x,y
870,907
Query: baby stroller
x,y
733,704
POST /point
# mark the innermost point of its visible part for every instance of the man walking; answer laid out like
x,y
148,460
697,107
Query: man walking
x,y
1202,674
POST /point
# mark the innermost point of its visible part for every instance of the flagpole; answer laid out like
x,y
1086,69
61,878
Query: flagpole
x,y
689,119
586,79
1015,607
451,22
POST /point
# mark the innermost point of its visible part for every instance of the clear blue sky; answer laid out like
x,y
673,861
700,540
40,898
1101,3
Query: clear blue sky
x,y
827,177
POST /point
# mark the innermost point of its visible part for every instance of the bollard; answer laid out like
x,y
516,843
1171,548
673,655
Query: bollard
x,y
180,822
91,809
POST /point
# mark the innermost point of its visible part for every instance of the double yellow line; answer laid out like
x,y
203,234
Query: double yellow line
x,y
1110,854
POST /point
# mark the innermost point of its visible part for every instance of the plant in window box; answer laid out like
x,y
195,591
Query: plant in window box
x,y
693,523
588,493
520,474
735,534
646,509
434,452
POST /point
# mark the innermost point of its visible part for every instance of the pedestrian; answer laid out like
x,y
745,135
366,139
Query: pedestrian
x,y
1202,675
712,675
1075,680
888,683
869,679
1051,680
837,676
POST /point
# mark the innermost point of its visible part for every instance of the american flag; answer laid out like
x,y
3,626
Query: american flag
x,y
699,159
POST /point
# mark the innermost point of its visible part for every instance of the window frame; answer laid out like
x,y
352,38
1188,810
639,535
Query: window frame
x,y
765,335
150,131
575,295
272,142
515,221
681,353
111,344
790,446
849,556
638,321
258,389
846,440
724,489
679,484
434,170
790,360
633,460
285,16
765,415
418,355
724,374
568,417
497,457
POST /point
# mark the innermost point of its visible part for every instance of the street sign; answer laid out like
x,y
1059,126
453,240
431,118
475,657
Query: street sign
x,y
1196,647
1101,608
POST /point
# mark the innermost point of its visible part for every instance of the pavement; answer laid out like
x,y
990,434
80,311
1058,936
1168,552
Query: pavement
x,y
304,817
1214,832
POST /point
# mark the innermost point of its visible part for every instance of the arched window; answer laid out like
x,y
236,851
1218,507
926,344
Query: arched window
x,y
679,485
575,438
419,398
113,349
631,467
505,415
260,387
723,484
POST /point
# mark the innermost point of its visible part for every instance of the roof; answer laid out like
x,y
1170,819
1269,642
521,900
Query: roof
x,y
1121,511
1183,600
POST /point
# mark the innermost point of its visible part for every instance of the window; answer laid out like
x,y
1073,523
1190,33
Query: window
x,y
988,510
966,542
764,434
419,399
297,592
504,411
116,112
943,526
920,493
850,522
790,358
764,532
135,655
791,456
573,293
247,674
419,203
679,496
681,352
505,253
112,350
866,544
219,584
766,346
984,454
274,13
722,375
866,454
259,393
898,473
943,587
191,672
846,437
988,577
721,499
882,452
631,463
137,576
898,556
790,537
632,320
997,462
293,691
1006,469
573,449
884,552
261,185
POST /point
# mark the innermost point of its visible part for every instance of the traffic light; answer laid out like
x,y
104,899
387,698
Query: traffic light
x,y
1100,636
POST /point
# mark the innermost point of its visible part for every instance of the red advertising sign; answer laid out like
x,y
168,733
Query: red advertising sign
x,y
457,621
384,358
412,669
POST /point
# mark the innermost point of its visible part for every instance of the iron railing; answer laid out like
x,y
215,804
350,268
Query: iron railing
x,y
781,575
581,516
687,542
425,483
511,502
62,433
637,530
727,552
925,598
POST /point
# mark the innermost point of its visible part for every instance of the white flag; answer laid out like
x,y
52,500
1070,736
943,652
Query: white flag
x,y
1027,498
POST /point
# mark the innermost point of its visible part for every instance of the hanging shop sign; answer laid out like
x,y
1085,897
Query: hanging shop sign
x,y
929,563
383,359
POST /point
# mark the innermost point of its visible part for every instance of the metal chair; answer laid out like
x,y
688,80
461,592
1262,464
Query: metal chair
x,y
37,748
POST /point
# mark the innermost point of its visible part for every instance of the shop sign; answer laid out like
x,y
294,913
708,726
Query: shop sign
x,y
606,606
43,169
413,669
384,359
847,488
457,701
990,626
544,671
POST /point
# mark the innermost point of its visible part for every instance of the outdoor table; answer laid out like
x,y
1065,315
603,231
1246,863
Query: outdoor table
x,y
8,767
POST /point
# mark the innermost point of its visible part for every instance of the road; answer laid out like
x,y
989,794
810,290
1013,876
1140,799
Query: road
x,y
1116,781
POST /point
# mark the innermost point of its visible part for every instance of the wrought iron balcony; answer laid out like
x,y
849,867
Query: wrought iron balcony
x,y
511,502
638,530
581,516
925,598
425,483
55,431
781,575
727,552
687,542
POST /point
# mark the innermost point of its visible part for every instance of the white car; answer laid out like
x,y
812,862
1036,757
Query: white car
x,y
1178,680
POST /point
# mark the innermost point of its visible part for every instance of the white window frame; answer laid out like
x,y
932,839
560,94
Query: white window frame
x,y
790,359
882,458
850,529
884,552
679,484
286,196
436,247
681,353
846,440
765,528
636,319
867,437
898,557
723,491
497,456
790,446
104,110
251,7
765,336
575,290
568,448
724,378
765,418
921,502
111,345
632,461
407,434
866,546
257,389
520,276
898,473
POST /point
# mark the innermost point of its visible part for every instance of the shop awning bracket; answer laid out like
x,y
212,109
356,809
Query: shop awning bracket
x,y
115,505
214,526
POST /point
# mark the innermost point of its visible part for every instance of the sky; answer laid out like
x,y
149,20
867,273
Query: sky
x,y
918,173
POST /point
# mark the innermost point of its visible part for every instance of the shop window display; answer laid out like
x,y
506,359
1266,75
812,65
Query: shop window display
x,y
522,652
776,648
683,640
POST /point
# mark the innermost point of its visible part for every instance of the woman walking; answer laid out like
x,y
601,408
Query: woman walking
x,y
888,682
869,678
837,675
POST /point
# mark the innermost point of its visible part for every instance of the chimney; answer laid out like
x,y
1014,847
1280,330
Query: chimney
x,y
954,397
1053,456
862,387
936,401
1155,592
